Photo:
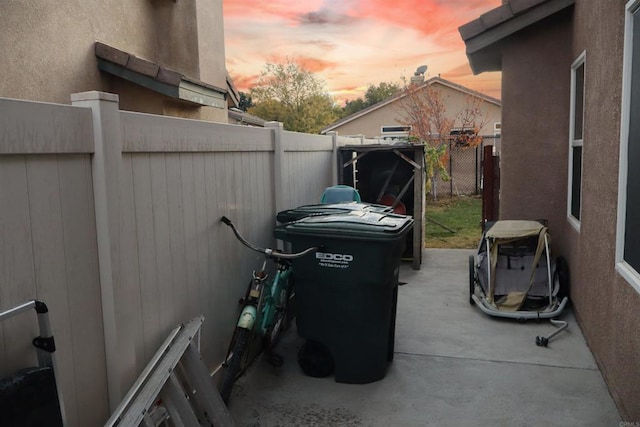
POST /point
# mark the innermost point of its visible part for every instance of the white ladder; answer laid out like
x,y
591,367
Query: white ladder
x,y
179,378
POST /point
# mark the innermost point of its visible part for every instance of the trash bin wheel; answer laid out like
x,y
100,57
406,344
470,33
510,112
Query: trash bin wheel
x,y
315,359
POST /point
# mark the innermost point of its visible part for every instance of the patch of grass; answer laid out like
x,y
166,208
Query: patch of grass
x,y
461,214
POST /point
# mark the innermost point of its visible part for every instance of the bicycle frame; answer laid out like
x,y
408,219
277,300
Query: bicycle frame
x,y
274,289
271,302
260,313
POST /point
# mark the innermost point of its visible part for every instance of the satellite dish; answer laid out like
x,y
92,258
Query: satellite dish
x,y
421,70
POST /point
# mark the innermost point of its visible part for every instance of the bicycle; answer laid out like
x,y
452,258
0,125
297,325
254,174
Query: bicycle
x,y
264,311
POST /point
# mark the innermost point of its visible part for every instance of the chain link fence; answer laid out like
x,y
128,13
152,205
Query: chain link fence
x,y
464,166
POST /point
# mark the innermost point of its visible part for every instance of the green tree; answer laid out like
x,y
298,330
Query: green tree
x,y
382,91
352,107
288,93
245,101
373,95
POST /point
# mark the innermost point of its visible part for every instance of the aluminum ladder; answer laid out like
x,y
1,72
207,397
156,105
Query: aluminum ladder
x,y
175,386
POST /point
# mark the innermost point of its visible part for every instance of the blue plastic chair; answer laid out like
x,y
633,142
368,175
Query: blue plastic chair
x,y
340,193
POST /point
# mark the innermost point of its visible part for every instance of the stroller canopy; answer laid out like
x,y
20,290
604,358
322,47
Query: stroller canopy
x,y
514,229
506,231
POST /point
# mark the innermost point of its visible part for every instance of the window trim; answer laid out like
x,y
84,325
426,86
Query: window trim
x,y
580,60
622,267
396,129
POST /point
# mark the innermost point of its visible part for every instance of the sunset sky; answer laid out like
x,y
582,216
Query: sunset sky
x,y
353,43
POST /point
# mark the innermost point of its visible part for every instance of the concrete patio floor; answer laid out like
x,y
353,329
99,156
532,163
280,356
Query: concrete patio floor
x,y
453,366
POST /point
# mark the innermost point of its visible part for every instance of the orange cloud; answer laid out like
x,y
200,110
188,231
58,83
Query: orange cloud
x,y
307,63
352,43
463,70
242,82
435,17
342,95
315,65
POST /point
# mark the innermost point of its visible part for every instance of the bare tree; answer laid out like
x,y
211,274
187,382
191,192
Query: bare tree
x,y
424,111
472,120
425,114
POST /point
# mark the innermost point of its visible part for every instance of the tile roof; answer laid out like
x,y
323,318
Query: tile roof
x,y
485,32
158,78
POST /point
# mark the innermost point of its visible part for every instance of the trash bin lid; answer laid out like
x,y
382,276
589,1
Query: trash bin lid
x,y
358,225
325,209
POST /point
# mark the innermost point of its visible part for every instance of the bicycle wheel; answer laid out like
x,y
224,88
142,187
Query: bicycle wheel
x,y
282,317
290,308
236,363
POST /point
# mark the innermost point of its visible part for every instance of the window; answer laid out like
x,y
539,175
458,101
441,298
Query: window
x,y
575,141
462,137
395,129
395,133
628,244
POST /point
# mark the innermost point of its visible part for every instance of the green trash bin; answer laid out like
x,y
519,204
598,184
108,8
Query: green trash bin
x,y
329,209
346,294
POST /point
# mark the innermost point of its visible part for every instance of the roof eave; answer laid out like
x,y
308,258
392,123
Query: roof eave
x,y
482,38
158,79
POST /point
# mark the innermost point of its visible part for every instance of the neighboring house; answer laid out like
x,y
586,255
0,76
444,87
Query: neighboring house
x,y
161,57
386,119
571,153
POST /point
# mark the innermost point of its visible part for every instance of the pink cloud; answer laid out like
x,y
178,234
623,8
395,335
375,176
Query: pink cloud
x,y
463,70
275,8
315,65
244,82
308,63
352,43
429,17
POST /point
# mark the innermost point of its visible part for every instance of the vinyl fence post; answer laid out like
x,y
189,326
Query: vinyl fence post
x,y
334,164
278,164
106,171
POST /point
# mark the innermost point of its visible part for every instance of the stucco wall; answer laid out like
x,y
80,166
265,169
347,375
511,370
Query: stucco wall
x,y
47,48
534,168
607,306
535,128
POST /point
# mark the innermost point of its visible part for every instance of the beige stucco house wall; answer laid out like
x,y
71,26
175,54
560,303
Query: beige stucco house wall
x,y
48,50
535,43
369,122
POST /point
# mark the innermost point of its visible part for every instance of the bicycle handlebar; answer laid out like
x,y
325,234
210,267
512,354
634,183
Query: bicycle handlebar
x,y
268,252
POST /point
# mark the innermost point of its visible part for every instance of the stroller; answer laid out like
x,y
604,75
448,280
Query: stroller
x,y
513,275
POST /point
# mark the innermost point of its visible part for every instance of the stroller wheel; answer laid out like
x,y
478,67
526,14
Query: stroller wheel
x,y
561,277
472,278
542,341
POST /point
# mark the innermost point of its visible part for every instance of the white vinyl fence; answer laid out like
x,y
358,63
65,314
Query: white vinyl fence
x,y
112,219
